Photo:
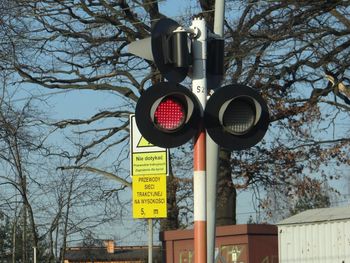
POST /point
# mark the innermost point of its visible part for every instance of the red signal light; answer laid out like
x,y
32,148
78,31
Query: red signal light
x,y
170,114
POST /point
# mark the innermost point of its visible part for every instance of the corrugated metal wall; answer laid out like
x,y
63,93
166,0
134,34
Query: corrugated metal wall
x,y
326,242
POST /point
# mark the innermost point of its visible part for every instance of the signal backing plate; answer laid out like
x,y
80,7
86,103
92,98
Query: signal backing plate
x,y
214,127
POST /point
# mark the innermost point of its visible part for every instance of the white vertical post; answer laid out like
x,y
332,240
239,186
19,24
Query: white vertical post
x,y
150,240
199,88
212,154
34,254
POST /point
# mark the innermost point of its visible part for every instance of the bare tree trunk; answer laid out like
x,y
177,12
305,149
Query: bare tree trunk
x,y
27,209
226,197
65,232
172,221
57,249
24,233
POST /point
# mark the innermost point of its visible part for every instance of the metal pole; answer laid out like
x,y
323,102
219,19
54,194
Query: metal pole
x,y
34,254
199,88
150,240
212,170
219,17
212,154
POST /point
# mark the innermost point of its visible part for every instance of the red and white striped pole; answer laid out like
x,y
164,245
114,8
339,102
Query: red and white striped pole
x,y
199,88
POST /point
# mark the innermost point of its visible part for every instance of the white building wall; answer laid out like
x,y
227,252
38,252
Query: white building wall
x,y
325,242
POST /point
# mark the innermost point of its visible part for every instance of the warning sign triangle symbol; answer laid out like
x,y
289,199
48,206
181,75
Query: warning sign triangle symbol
x,y
144,143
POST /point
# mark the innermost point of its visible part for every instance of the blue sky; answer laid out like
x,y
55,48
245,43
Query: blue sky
x,y
82,104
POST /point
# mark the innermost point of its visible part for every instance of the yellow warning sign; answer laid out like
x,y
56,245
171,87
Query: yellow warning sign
x,y
149,196
147,163
146,158
144,143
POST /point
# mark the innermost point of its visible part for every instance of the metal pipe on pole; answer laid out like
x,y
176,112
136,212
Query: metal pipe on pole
x,y
212,154
199,88
219,16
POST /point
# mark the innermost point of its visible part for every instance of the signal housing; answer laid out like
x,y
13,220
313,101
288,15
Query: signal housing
x,y
236,117
170,129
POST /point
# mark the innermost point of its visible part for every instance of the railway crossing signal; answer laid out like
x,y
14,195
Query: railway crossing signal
x,y
168,114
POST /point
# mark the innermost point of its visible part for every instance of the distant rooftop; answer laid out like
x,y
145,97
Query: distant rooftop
x,y
318,216
101,255
111,253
